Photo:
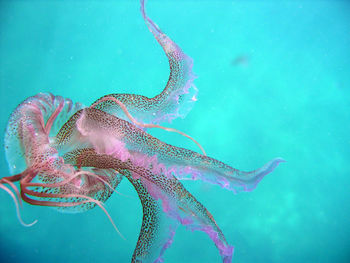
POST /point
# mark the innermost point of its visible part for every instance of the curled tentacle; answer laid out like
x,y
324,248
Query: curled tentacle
x,y
177,98
6,189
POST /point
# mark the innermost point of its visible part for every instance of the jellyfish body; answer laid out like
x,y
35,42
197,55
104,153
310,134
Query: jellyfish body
x,y
73,157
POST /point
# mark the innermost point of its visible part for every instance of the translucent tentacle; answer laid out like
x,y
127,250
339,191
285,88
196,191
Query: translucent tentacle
x,y
69,179
17,207
14,187
88,199
178,97
157,229
108,134
180,93
177,202
147,125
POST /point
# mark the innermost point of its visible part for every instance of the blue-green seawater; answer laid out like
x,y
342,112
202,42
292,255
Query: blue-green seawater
x,y
273,80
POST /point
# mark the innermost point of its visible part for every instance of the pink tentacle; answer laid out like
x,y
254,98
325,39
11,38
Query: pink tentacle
x,y
70,178
145,125
17,207
65,204
52,118
14,187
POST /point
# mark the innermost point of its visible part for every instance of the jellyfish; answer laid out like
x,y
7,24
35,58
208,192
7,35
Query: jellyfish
x,y
73,157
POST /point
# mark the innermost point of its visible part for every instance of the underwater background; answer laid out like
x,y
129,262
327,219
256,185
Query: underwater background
x,y
273,80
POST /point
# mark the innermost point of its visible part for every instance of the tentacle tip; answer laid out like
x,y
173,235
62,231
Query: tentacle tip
x,y
279,160
123,237
270,166
31,224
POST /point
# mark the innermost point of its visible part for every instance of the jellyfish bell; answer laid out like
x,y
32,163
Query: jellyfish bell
x,y
31,129
35,162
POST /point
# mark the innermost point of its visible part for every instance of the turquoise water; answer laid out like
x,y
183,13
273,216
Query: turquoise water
x,y
273,80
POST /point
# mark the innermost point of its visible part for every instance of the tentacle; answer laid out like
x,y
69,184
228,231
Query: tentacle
x,y
53,117
98,184
180,205
17,207
108,134
177,202
14,187
178,97
25,192
69,178
146,125
157,229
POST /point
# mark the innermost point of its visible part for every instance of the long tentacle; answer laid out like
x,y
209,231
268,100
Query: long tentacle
x,y
14,187
177,98
157,228
146,125
17,207
177,202
111,135
69,179
25,192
